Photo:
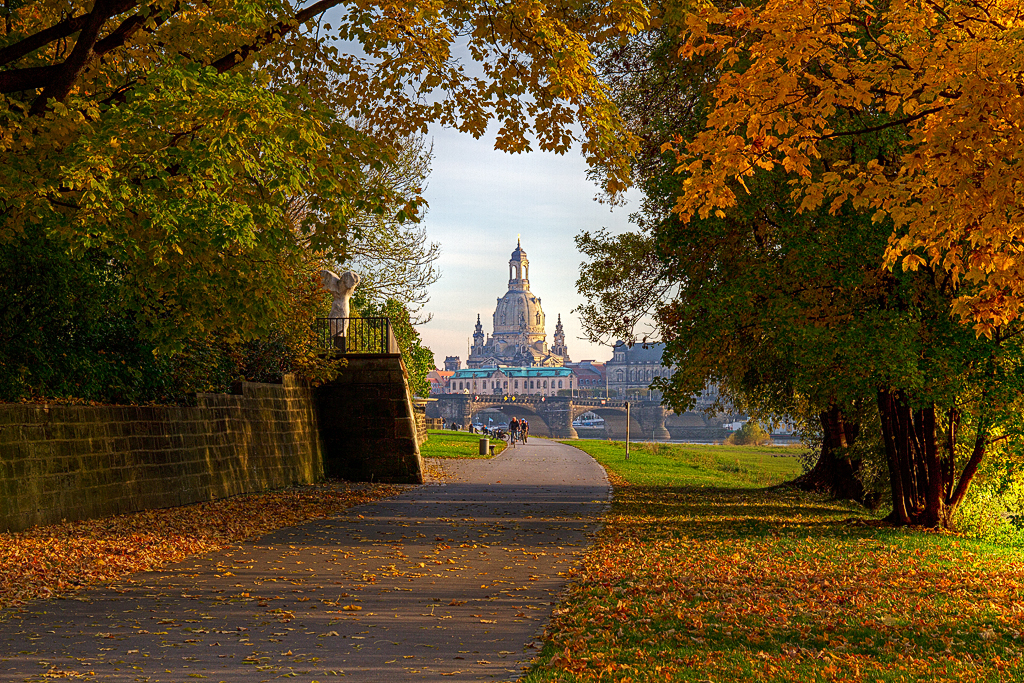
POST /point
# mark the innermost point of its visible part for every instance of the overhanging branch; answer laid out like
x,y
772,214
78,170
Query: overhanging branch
x,y
272,35
890,124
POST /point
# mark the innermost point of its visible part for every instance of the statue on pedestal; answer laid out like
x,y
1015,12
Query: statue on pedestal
x,y
341,287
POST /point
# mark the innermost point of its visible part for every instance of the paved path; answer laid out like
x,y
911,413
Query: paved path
x,y
454,579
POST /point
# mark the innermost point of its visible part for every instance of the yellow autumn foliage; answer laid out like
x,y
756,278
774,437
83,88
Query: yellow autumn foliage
x,y
801,79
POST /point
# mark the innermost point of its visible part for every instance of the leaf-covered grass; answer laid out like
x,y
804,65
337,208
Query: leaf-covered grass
x,y
444,443
47,561
698,576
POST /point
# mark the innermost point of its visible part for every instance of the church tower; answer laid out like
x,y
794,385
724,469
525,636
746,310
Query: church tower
x,y
558,348
518,265
478,338
518,337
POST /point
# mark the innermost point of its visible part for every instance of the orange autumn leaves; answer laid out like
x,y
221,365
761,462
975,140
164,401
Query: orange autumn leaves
x,y
805,86
698,584
51,560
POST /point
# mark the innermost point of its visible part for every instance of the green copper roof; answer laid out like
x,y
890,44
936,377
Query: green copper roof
x,y
480,373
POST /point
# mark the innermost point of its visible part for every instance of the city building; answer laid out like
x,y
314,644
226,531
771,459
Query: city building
x,y
439,381
589,378
452,363
523,381
518,336
632,369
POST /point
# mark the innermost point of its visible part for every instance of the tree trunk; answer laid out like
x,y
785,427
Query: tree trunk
x,y
887,412
922,478
834,473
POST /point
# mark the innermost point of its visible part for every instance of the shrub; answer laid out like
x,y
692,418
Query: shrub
x,y
750,434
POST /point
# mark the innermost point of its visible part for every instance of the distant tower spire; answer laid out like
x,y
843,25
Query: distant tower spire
x,y
478,337
559,348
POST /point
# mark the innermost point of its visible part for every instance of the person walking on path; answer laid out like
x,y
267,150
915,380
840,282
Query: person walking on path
x,y
453,579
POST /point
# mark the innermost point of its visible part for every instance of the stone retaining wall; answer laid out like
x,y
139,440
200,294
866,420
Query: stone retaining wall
x,y
77,462
368,425
420,412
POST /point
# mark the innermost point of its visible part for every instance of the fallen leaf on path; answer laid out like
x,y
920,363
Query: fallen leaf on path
x,y
48,561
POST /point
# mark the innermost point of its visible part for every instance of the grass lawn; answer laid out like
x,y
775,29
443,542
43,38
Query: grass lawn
x,y
701,574
444,443
655,464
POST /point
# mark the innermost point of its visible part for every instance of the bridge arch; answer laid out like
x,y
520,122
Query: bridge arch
x,y
523,411
553,415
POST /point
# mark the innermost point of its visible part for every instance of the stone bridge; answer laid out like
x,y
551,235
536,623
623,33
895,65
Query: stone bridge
x,y
553,415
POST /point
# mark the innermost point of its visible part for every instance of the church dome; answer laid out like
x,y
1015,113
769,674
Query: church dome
x,y
519,311
518,336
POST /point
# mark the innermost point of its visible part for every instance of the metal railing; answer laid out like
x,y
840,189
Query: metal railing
x,y
356,335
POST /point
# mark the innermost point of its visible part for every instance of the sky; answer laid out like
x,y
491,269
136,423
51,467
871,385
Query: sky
x,y
480,201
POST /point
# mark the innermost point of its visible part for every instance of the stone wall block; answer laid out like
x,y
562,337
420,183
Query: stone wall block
x,y
10,433
77,462
366,423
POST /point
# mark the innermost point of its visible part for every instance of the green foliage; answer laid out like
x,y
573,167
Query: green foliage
x,y
992,513
63,332
418,359
179,266
993,510
750,433
183,161
183,188
66,333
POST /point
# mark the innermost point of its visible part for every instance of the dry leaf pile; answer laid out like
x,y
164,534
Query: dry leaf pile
x,y
50,560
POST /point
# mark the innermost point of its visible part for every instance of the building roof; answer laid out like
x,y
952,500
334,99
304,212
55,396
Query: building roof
x,y
585,369
640,352
479,373
518,312
474,373
519,254
537,372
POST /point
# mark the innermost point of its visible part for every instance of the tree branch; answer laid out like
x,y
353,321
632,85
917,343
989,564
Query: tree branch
x,y
890,124
967,475
272,35
128,28
28,78
65,77
37,40
59,30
